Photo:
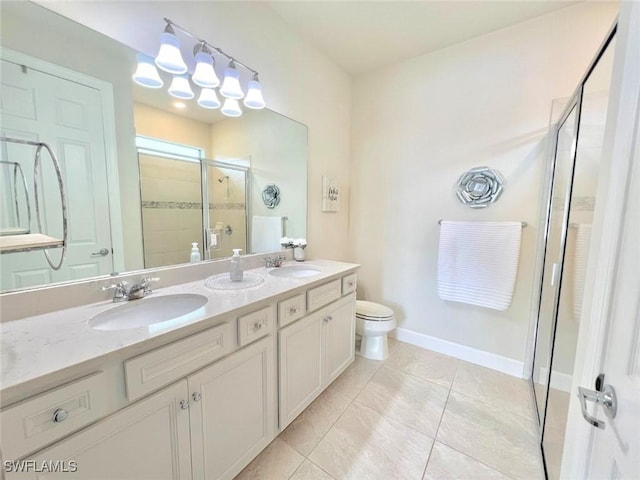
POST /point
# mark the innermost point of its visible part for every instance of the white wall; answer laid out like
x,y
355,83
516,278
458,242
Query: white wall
x,y
299,82
419,124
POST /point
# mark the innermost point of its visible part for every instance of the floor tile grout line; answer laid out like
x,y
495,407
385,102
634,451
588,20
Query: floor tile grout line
x,y
476,460
417,377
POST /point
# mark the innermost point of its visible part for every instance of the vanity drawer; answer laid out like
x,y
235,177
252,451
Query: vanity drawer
x,y
324,294
291,309
28,426
160,367
349,283
255,325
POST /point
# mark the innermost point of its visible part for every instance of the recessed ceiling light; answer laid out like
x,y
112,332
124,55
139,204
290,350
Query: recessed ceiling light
x,y
180,105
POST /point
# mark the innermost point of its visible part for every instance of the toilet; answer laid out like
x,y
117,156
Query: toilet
x,y
373,322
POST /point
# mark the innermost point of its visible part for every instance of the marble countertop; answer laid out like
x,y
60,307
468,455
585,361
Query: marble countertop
x,y
35,347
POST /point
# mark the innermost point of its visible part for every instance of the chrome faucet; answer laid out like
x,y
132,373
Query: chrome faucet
x,y
276,261
122,292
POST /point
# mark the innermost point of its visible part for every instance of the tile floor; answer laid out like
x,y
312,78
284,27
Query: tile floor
x,y
417,415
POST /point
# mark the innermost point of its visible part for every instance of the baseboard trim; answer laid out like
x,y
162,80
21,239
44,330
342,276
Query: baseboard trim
x,y
479,357
559,381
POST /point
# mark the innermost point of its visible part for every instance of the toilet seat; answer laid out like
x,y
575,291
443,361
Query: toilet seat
x,y
372,311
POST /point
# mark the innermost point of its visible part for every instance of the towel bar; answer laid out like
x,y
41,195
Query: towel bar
x,y
524,224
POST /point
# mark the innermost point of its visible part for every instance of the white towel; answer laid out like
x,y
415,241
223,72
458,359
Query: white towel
x,y
478,262
580,254
266,233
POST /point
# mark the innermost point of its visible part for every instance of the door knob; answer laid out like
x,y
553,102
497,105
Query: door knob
x,y
101,253
606,398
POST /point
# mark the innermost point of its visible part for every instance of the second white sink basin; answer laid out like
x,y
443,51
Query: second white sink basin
x,y
295,271
147,311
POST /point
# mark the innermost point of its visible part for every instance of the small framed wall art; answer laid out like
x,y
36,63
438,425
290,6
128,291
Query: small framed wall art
x,y
330,194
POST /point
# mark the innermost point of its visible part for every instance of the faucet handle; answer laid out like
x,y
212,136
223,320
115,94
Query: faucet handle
x,y
146,283
119,290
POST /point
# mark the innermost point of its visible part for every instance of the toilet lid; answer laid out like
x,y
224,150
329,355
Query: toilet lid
x,y
372,310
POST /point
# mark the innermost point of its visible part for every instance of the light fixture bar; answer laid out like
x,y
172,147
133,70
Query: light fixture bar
x,y
208,45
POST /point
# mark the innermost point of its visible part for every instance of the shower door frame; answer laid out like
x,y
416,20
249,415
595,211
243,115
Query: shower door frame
x,y
574,102
206,221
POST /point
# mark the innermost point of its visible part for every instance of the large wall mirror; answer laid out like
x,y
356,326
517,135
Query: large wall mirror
x,y
144,176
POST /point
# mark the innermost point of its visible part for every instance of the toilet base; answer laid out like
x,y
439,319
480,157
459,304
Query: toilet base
x,y
374,348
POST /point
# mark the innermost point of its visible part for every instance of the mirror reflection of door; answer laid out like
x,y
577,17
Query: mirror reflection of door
x,y
593,117
50,106
565,151
227,193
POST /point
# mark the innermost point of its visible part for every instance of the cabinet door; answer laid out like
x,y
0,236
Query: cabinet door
x,y
339,337
148,440
233,411
300,356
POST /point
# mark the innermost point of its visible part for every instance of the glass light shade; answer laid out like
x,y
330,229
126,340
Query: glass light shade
x,y
180,88
208,98
231,108
204,75
146,73
231,83
254,95
169,57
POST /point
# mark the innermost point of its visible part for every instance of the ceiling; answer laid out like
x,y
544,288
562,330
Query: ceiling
x,y
360,35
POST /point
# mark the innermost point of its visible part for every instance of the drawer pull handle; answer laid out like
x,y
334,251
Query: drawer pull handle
x,y
60,415
328,319
293,310
184,404
196,396
257,325
350,283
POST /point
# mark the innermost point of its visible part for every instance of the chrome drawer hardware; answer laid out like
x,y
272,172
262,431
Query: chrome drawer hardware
x,y
606,398
328,319
258,325
196,396
184,404
293,310
60,415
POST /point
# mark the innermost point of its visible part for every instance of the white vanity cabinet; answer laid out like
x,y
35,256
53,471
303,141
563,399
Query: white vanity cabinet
x,y
232,411
147,440
312,352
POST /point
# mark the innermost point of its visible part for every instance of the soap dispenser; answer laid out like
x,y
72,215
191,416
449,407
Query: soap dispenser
x,y
195,253
236,266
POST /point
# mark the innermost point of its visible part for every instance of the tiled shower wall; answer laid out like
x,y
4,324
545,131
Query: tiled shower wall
x,y
171,209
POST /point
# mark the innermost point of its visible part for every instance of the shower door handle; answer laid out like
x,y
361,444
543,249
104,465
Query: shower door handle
x,y
555,272
103,252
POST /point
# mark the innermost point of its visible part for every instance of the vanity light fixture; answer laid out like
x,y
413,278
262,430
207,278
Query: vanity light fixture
x,y
208,98
147,74
204,75
231,108
169,59
180,87
254,94
231,84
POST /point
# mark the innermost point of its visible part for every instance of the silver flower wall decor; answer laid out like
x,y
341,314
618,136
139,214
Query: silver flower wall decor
x,y
271,195
479,187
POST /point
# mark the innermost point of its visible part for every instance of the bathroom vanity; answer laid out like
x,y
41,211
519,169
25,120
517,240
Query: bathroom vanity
x,y
197,396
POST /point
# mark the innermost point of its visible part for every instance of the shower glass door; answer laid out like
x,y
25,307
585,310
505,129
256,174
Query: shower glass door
x,y
226,217
554,251
569,314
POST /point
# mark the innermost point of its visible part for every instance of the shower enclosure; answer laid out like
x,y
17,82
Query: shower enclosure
x,y
573,178
187,198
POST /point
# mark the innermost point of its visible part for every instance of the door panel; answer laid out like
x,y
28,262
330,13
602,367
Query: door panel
x,y
68,116
339,337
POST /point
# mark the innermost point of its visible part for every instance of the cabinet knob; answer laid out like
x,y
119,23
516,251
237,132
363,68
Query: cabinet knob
x,y
60,415
293,310
257,325
328,319
184,404
196,396
350,283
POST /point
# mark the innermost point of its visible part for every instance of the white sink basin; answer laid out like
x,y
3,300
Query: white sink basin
x,y
147,311
295,271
